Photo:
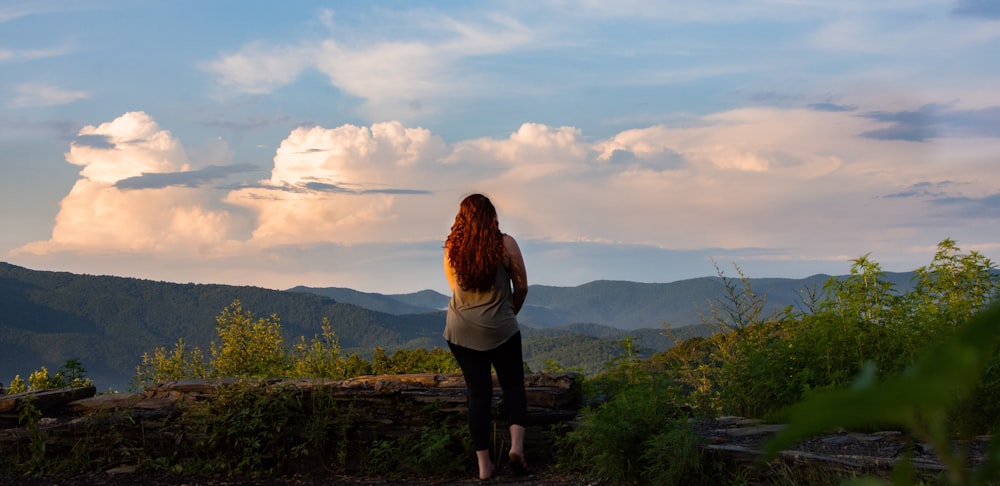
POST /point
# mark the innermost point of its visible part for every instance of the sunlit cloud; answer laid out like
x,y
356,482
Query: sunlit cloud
x,y
760,183
98,216
344,185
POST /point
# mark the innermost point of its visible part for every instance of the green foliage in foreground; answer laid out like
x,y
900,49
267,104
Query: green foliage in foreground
x,y
854,350
253,347
858,354
638,435
757,365
923,401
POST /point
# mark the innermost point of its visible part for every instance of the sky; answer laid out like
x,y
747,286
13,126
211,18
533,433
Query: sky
x,y
329,144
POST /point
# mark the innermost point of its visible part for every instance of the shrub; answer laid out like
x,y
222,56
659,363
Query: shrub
x,y
673,456
922,401
757,365
250,346
179,364
251,428
613,438
437,450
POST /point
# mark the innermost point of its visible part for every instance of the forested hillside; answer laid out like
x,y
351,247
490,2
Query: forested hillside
x,y
109,322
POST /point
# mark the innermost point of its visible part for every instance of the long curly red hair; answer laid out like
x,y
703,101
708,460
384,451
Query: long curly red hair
x,y
475,245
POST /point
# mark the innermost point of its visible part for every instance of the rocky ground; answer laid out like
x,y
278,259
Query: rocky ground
x,y
731,439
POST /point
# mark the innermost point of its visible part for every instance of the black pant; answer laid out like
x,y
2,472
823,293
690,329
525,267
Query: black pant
x,y
509,364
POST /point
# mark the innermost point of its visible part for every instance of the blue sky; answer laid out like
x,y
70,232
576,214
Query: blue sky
x,y
329,143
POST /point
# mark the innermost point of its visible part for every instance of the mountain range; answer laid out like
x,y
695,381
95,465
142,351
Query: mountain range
x,y
108,322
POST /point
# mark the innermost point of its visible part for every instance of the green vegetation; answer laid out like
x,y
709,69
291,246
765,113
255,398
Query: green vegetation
x,y
851,358
72,373
858,353
926,401
106,322
253,347
442,449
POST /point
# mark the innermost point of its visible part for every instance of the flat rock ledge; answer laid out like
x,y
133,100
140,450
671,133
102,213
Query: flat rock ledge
x,y
391,406
737,443
360,409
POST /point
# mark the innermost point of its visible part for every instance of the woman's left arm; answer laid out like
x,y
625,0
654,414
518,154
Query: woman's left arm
x,y
518,274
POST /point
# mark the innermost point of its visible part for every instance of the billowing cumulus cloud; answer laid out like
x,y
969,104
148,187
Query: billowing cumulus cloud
x,y
374,171
99,216
761,181
128,146
331,144
344,185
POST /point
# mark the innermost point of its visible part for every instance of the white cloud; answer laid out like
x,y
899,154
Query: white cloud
x,y
347,185
531,153
389,74
96,216
134,144
34,95
785,183
258,68
22,55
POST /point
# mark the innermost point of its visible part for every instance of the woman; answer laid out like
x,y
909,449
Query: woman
x,y
485,271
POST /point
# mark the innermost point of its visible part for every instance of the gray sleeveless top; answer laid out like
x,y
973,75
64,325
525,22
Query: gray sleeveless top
x,y
482,320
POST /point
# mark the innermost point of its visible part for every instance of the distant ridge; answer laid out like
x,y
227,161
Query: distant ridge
x,y
108,322
616,304
415,303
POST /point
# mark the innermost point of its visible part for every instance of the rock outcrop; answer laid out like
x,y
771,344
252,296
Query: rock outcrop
x,y
359,411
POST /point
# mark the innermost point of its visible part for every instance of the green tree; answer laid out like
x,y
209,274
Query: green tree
x,y
865,295
741,307
954,286
355,366
380,362
179,364
72,373
250,346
